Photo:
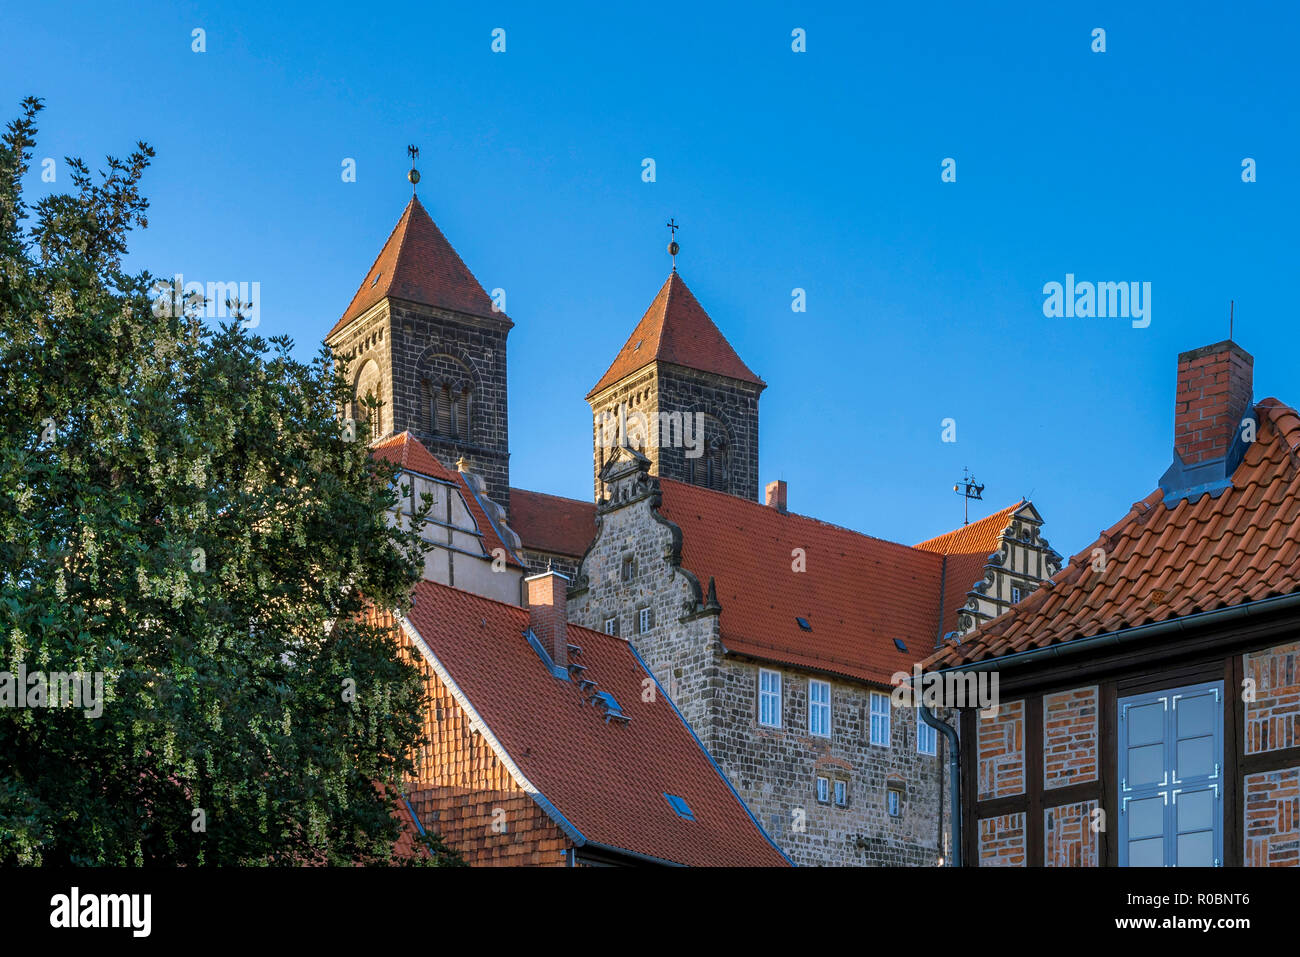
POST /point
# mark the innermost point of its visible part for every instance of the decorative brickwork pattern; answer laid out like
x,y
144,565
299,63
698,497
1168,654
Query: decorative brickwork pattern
x,y
1273,717
1002,841
1000,744
1068,836
1070,737
1272,832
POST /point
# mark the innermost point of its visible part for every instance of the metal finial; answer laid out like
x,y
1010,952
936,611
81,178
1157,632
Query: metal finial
x,y
414,174
969,489
673,248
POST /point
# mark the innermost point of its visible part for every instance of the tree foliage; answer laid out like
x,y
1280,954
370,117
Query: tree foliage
x,y
184,513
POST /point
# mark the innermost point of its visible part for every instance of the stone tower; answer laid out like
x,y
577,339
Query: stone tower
x,y
423,338
678,394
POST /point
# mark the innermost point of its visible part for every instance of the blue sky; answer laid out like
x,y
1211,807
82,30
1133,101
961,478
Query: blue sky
x,y
818,170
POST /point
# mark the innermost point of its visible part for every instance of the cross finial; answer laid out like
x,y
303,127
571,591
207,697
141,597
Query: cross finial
x,y
414,174
673,248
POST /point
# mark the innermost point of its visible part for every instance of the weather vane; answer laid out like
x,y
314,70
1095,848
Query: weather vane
x,y
672,245
968,489
414,174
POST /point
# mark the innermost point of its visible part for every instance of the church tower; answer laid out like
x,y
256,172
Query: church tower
x,y
425,340
678,394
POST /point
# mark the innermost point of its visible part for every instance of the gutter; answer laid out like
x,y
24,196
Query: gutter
x,y
954,777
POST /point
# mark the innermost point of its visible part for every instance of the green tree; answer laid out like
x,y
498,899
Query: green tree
x,y
184,513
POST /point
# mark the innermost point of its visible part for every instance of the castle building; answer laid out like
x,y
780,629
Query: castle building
x,y
775,637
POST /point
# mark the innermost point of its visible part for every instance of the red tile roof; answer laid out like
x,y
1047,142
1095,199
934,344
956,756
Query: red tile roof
x,y
859,593
967,550
1165,562
606,780
550,523
676,329
409,453
418,264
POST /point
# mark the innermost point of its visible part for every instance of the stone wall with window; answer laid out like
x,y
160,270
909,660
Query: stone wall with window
x,y
632,573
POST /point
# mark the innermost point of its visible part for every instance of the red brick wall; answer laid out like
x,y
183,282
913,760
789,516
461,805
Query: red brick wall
x,y
464,792
1000,745
1070,737
1068,837
1273,718
1002,841
1272,819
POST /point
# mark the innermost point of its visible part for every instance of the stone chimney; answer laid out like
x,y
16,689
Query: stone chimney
x,y
776,495
1214,391
548,614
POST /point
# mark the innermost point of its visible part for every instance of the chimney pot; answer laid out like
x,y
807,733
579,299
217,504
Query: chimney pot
x,y
776,495
548,614
1213,394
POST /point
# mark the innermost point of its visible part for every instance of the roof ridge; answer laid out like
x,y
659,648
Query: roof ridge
x,y
789,514
378,256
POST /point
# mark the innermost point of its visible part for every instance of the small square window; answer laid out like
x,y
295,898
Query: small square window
x,y
823,790
679,805
841,792
1015,594
894,801
611,626
643,620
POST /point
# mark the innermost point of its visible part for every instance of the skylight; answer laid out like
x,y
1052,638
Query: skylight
x,y
376,279
679,805
610,705
803,623
898,643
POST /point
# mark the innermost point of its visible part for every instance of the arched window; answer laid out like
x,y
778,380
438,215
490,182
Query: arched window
x,y
710,468
366,389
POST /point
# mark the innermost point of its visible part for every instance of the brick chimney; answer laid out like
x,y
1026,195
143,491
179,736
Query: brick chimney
x,y
548,614
776,495
1214,391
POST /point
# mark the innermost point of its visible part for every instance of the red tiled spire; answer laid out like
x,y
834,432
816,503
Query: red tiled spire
x,y
418,264
676,329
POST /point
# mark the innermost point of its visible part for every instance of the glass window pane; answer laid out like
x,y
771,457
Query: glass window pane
x,y
1146,765
1146,723
1196,715
1195,757
1195,810
1148,853
1196,850
1146,817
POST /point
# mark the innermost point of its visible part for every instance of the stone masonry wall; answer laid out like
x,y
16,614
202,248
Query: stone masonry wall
x,y
435,345
630,566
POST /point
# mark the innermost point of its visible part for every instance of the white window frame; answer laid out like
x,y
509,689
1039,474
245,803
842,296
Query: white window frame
x,y
643,620
611,626
772,694
931,735
889,807
823,795
879,719
819,707
841,792
1015,594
